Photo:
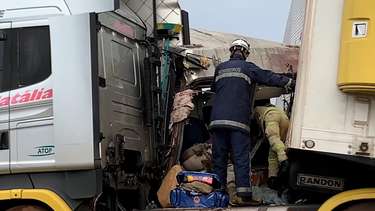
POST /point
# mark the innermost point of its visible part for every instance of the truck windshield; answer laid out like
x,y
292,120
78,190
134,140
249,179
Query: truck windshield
x,y
25,56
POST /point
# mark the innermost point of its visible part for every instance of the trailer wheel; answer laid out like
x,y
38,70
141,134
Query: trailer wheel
x,y
27,208
351,200
355,206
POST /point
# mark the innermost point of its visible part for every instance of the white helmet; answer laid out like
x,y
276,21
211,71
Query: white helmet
x,y
240,44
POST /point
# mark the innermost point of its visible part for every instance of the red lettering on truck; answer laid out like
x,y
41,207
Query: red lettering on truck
x,y
26,97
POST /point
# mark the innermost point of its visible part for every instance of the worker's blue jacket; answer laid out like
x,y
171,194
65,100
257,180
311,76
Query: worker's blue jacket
x,y
232,82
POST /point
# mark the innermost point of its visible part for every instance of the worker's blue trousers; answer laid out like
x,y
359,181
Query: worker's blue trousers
x,y
238,144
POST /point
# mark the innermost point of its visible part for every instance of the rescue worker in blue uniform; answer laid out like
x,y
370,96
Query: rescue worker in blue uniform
x,y
231,112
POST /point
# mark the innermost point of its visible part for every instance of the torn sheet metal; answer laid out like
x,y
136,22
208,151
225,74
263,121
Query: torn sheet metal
x,y
199,66
208,49
279,60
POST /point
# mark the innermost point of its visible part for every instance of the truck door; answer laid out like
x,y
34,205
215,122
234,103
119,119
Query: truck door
x,y
5,68
30,110
123,75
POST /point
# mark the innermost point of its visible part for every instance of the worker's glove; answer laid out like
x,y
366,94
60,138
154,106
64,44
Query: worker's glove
x,y
289,87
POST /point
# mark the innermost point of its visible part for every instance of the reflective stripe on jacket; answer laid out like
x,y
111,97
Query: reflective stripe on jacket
x,y
232,103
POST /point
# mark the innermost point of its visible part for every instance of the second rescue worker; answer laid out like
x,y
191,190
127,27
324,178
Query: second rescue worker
x,y
231,111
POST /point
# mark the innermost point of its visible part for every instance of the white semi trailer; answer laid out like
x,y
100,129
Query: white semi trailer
x,y
331,140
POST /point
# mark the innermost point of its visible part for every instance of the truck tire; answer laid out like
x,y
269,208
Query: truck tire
x,y
27,208
362,206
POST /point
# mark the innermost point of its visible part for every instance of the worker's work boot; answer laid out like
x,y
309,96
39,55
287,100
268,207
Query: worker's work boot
x,y
274,183
283,177
283,171
237,201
